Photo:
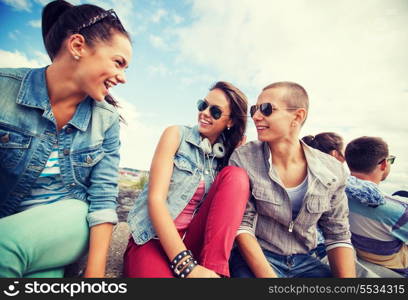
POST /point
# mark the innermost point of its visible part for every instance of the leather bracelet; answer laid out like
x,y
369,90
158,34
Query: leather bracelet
x,y
178,258
187,270
181,265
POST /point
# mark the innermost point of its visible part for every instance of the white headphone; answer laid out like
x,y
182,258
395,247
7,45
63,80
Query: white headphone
x,y
217,150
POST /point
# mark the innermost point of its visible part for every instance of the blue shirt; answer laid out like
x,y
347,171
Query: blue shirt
x,y
88,146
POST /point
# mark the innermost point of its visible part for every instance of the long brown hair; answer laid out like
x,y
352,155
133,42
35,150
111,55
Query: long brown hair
x,y
238,103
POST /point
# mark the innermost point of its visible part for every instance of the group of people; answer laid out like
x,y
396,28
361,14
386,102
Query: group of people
x,y
214,206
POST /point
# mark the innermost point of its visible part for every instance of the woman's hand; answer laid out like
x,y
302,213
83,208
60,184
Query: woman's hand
x,y
202,272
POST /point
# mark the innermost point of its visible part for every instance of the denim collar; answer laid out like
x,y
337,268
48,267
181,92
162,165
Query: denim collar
x,y
314,165
194,136
34,93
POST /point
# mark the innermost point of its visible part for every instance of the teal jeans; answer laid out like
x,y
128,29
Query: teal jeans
x,y
41,241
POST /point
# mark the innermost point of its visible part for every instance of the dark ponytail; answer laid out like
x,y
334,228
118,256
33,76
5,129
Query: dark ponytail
x,y
50,14
60,19
325,142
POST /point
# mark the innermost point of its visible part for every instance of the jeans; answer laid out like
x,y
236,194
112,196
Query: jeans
x,y
40,241
296,265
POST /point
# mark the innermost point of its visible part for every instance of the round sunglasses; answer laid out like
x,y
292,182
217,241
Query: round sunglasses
x,y
267,109
215,111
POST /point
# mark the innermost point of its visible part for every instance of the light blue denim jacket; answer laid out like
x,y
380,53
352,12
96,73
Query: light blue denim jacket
x,y
189,168
88,146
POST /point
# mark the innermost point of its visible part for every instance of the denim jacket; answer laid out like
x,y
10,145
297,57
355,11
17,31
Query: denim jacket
x,y
88,146
268,214
190,167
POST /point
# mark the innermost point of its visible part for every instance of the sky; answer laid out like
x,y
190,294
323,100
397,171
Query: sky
x,y
350,56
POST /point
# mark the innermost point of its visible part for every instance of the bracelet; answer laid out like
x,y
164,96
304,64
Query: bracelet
x,y
179,257
188,269
181,266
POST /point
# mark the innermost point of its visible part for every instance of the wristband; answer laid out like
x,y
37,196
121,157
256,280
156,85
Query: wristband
x,y
179,257
187,270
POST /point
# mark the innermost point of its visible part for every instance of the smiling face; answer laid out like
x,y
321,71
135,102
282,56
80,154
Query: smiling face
x,y
207,125
103,66
279,124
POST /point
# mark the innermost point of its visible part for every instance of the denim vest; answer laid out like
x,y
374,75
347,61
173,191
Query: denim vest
x,y
189,168
88,145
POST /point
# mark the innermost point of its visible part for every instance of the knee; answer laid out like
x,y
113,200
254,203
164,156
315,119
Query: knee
x,y
11,263
235,175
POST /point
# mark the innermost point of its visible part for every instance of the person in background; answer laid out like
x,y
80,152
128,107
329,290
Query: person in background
x,y
184,222
378,222
59,145
327,142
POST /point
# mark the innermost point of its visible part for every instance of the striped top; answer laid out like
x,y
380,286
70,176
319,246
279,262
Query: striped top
x,y
49,187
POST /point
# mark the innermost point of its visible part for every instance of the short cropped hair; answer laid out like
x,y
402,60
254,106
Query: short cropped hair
x,y
363,154
295,95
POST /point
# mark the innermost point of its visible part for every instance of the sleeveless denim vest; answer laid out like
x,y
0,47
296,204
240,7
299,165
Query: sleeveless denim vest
x,y
190,167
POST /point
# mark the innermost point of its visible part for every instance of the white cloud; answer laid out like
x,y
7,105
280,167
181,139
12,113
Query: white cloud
x,y
138,138
160,70
17,59
19,4
158,42
158,15
177,19
45,2
35,23
350,57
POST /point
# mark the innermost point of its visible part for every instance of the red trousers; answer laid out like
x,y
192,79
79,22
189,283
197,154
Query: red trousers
x,y
210,235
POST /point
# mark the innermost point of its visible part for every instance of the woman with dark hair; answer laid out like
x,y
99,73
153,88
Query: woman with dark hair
x,y
327,142
59,145
184,222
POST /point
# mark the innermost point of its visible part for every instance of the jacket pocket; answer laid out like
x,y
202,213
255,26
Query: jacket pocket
x,y
183,164
318,204
13,146
268,202
83,162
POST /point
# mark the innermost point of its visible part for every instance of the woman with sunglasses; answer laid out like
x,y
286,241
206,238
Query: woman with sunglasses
x,y
59,145
293,189
184,222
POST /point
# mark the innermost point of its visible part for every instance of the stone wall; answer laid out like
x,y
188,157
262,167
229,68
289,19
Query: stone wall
x,y
119,240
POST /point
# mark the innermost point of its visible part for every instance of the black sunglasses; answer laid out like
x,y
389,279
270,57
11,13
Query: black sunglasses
x,y
267,109
390,159
109,13
215,111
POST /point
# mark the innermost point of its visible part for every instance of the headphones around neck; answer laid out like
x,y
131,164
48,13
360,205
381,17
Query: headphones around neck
x,y
216,150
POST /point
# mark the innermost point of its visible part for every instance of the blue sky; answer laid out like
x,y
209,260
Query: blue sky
x,y
350,56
